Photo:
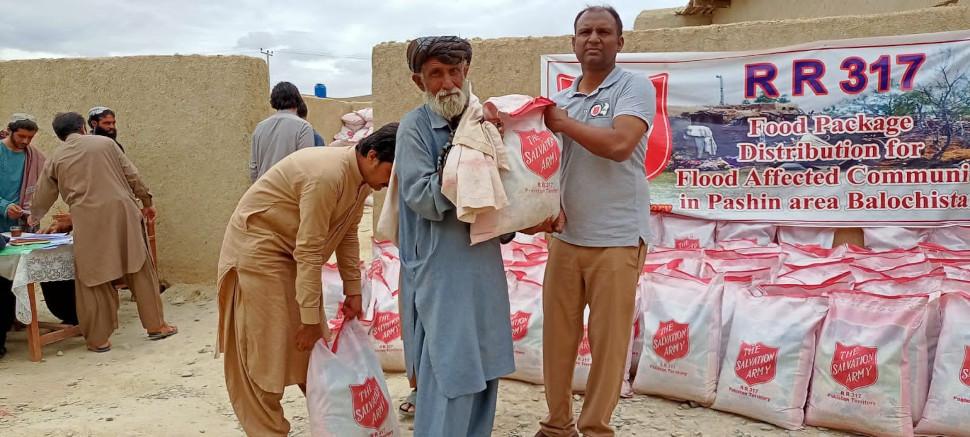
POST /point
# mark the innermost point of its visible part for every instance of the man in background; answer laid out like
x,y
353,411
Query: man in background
x,y
282,133
17,185
102,121
100,185
20,165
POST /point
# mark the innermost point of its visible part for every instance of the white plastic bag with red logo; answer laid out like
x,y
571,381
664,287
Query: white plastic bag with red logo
x,y
525,299
682,327
860,380
814,272
801,235
748,247
346,392
956,272
689,261
922,346
728,261
687,233
525,247
768,364
936,252
531,181
333,291
948,405
951,237
385,332
802,252
584,358
735,284
895,264
635,348
889,238
843,282
760,233
382,280
533,268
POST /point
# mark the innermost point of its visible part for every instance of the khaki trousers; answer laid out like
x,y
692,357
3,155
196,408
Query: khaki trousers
x,y
260,412
605,279
97,306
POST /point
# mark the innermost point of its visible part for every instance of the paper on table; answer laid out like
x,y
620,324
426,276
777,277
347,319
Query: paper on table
x,y
50,240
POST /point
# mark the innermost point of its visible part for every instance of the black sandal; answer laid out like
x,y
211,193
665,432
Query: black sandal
x,y
100,350
161,335
409,406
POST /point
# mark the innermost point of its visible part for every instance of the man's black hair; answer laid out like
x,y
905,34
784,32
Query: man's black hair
x,y
381,141
301,109
66,123
601,8
28,125
285,95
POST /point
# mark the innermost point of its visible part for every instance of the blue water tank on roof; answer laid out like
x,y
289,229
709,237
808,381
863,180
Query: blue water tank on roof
x,y
320,90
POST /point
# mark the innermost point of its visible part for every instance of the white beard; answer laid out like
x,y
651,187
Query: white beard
x,y
449,104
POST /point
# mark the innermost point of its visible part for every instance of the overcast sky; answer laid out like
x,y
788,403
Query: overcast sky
x,y
315,41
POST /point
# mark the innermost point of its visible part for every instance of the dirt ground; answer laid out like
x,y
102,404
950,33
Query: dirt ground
x,y
175,388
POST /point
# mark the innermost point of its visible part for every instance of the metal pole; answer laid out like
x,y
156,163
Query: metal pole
x,y
721,79
268,53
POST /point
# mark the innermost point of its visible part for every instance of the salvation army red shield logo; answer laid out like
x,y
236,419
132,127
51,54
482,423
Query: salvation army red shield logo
x,y
584,349
520,325
965,371
387,326
370,405
540,152
564,81
660,140
756,363
672,340
855,366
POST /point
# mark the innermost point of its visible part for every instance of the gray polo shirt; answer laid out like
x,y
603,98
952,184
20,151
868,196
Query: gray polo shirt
x,y
275,138
607,203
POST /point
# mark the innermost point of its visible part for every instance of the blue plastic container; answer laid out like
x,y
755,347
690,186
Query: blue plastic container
x,y
320,90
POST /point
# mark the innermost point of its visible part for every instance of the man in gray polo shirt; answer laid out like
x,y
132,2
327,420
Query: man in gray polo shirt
x,y
597,258
280,134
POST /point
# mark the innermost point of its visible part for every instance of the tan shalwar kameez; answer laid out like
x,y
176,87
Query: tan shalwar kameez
x,y
285,227
101,186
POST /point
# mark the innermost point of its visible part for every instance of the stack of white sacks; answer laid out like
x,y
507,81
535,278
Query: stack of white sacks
x,y
768,322
356,126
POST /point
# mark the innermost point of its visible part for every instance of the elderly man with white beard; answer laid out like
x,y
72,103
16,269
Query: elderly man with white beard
x,y
454,297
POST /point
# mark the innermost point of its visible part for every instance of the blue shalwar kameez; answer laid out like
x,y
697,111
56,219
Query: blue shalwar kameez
x,y
454,296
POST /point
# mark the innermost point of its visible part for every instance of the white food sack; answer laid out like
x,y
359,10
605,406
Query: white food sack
x,y
346,392
860,380
682,325
531,182
766,371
